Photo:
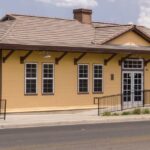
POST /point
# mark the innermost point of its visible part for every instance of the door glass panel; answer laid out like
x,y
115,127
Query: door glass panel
x,y
138,93
126,87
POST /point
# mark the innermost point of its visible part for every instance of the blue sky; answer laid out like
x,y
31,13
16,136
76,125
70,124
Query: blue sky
x,y
119,11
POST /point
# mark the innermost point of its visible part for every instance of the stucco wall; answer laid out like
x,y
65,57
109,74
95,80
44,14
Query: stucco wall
x,y
130,37
65,78
65,81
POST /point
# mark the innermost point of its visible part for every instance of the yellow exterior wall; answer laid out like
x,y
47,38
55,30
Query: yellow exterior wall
x,y
65,79
130,37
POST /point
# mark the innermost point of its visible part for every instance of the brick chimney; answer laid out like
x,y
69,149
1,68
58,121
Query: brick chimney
x,y
83,15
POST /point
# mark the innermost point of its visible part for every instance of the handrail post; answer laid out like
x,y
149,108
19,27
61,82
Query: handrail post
x,y
94,100
121,98
0,106
98,108
144,98
5,110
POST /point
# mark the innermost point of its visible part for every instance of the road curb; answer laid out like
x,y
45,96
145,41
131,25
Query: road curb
x,y
68,123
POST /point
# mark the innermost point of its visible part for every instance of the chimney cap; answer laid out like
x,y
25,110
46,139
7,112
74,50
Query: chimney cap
x,y
83,15
82,10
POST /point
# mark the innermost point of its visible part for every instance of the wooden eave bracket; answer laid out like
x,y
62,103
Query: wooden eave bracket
x,y
109,59
57,60
23,58
79,58
146,62
124,58
8,55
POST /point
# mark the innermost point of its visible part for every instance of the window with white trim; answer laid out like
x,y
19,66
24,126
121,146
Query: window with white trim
x,y
48,78
133,64
97,78
30,78
83,75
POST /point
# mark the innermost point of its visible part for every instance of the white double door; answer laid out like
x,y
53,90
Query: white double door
x,y
132,88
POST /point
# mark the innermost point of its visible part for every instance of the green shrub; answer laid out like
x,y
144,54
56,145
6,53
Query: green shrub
x,y
107,113
136,111
146,111
126,113
115,114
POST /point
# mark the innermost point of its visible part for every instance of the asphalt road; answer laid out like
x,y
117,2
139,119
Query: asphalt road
x,y
116,136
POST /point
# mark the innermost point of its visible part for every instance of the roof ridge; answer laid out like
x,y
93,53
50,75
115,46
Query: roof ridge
x,y
116,24
113,26
24,15
106,23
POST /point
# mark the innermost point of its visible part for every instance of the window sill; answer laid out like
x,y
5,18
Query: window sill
x,y
98,92
48,94
83,93
30,94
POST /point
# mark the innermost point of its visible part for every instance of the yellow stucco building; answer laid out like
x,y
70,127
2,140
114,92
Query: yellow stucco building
x,y
57,64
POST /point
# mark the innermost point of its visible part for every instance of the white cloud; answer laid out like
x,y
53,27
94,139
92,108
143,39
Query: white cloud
x,y
72,3
144,16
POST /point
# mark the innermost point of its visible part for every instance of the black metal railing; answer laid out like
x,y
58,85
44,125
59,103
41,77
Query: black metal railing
x,y
120,102
3,104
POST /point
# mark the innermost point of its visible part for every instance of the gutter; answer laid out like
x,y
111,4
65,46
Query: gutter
x,y
104,49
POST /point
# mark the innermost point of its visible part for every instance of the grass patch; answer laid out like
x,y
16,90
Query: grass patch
x,y
137,111
107,114
115,114
146,111
126,113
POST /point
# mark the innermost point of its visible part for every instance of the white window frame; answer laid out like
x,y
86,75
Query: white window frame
x,y
35,78
47,78
99,78
130,59
83,79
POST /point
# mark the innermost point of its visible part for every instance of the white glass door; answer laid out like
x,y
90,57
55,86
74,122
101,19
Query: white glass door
x,y
138,88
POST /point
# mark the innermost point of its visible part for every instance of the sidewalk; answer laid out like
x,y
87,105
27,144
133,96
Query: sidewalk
x,y
63,118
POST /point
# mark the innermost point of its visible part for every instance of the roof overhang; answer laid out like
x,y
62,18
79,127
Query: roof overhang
x,y
105,49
